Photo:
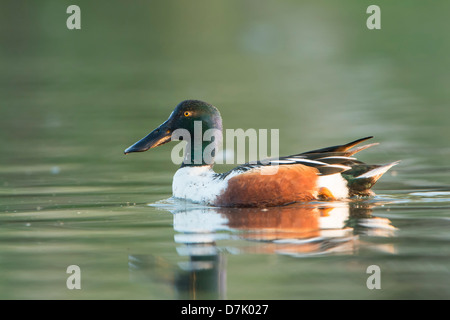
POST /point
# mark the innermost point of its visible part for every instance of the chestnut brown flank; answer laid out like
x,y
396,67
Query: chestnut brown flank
x,y
291,183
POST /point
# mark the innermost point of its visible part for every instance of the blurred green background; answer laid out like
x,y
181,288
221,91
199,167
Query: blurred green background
x,y
72,100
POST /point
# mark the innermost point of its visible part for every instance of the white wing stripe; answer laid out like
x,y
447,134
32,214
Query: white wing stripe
x,y
282,161
338,157
309,161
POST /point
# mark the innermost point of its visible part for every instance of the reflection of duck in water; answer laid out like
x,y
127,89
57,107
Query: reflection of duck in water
x,y
328,173
313,228
296,230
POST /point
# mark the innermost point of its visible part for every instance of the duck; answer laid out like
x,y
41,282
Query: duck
x,y
325,174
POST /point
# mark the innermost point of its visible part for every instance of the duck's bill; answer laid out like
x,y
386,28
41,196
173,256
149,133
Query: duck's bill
x,y
157,137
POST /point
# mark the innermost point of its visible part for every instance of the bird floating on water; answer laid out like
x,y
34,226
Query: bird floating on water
x,y
330,173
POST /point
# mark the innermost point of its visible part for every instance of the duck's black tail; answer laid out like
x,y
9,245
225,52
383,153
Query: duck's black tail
x,y
360,176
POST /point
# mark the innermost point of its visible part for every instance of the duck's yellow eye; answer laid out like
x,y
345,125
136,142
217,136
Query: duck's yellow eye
x,y
187,113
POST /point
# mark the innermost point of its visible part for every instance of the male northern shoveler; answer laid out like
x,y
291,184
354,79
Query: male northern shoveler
x,y
323,174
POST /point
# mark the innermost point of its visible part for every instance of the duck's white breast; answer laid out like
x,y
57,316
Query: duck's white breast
x,y
198,184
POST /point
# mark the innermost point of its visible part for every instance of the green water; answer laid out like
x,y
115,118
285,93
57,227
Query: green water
x,y
73,100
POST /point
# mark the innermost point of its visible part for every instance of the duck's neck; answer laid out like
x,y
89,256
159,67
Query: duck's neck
x,y
202,149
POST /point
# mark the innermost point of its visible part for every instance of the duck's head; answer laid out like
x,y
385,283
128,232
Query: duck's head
x,y
187,115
